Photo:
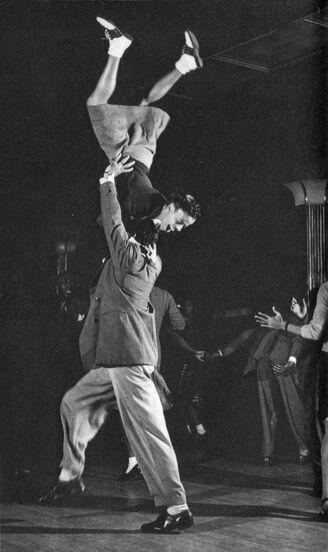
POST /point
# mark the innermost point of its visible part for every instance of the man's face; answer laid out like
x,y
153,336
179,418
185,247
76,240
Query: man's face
x,y
174,220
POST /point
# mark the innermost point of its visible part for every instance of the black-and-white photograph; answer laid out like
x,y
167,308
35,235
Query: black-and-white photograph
x,y
164,278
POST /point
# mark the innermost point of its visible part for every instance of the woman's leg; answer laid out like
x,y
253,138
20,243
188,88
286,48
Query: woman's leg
x,y
106,84
162,87
118,43
188,61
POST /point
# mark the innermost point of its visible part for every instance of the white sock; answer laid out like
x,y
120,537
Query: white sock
x,y
185,64
177,509
117,46
131,463
200,429
66,475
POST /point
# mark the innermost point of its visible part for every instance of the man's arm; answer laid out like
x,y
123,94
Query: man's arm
x,y
315,328
295,351
240,340
176,321
296,346
114,229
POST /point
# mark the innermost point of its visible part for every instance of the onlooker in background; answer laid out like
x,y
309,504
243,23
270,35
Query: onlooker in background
x,y
316,330
192,381
275,358
66,322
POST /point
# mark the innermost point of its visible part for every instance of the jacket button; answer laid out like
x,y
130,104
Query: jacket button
x,y
97,299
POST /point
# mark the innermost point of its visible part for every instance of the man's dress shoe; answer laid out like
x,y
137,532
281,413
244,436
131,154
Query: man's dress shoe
x,y
63,490
166,523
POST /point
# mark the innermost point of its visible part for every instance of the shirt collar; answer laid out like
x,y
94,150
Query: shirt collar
x,y
157,223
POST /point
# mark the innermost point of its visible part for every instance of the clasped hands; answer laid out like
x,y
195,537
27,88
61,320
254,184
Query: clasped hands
x,y
285,369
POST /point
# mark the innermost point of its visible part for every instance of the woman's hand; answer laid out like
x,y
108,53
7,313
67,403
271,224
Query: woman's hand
x,y
118,166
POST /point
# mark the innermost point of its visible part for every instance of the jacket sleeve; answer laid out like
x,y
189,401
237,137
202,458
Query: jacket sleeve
x,y
296,346
121,249
176,320
315,328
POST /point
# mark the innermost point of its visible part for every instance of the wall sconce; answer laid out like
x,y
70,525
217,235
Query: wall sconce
x,y
313,194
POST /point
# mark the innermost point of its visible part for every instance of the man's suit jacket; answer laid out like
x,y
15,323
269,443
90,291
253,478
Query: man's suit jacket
x,y
120,326
165,308
274,346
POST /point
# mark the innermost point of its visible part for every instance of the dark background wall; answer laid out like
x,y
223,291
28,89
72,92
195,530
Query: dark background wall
x,y
233,148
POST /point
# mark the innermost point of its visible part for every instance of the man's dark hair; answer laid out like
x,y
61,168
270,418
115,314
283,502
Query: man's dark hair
x,y
185,202
146,232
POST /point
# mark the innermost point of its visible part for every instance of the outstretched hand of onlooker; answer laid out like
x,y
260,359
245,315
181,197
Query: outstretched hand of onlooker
x,y
297,309
274,322
285,369
118,165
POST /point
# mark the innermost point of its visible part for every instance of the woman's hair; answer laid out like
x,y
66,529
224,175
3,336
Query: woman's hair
x,y
146,232
187,203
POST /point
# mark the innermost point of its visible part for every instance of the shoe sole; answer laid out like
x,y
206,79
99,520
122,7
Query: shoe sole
x,y
195,45
110,26
185,524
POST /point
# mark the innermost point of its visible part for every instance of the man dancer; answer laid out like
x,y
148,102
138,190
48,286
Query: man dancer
x,y
123,364
315,330
134,130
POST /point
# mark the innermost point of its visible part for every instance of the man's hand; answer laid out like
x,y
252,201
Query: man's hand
x,y
296,308
284,370
118,166
275,322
